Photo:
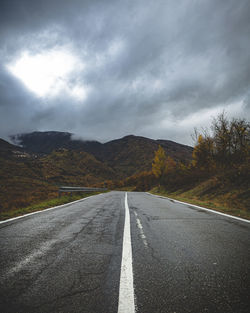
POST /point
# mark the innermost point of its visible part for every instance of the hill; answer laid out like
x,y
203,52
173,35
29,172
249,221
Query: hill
x,y
126,156
46,142
26,178
134,154
32,170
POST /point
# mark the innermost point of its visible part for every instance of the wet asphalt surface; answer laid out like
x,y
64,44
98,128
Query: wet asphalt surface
x,y
68,259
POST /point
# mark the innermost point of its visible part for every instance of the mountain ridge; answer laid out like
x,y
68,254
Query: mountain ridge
x,y
32,170
127,155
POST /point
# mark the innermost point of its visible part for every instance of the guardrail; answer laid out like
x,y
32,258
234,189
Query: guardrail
x,y
82,189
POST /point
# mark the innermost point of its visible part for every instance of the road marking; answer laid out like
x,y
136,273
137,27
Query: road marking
x,y
126,302
139,225
202,208
40,211
31,257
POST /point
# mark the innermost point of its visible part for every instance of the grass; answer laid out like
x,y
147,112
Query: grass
x,y
45,205
191,198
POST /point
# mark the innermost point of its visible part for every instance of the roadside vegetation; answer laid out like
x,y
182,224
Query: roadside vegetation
x,y
66,198
209,202
217,177
30,180
215,173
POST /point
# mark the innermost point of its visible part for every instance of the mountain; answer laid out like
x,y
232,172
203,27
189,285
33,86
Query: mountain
x,y
32,169
21,180
46,142
5,146
74,168
126,156
27,178
8,148
133,154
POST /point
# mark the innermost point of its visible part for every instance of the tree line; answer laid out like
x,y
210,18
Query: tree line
x,y
221,152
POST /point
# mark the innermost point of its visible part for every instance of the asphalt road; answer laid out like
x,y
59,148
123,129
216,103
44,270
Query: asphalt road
x,y
69,259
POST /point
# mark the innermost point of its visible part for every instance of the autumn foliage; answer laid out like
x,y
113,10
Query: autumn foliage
x,y
220,164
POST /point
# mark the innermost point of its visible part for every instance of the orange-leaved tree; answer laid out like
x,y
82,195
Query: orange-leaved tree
x,y
203,153
170,165
159,164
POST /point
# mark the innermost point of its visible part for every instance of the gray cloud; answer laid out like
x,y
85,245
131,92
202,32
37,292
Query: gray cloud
x,y
156,69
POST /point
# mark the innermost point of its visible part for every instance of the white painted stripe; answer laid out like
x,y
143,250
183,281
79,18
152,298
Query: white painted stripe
x,y
126,302
139,225
41,211
202,208
31,257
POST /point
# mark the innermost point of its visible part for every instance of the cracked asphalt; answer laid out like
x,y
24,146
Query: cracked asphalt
x,y
68,259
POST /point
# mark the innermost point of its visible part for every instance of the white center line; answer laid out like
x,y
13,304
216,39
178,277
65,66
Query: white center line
x,y
139,225
126,302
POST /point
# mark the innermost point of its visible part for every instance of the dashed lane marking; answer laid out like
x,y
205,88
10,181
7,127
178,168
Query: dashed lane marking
x,y
142,235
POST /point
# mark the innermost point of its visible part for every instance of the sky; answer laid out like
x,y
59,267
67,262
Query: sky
x,y
104,69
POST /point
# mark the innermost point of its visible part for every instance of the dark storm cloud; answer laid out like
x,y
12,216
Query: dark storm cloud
x,y
153,68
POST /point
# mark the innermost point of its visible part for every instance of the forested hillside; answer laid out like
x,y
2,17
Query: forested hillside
x,y
26,178
127,155
218,172
33,170
217,169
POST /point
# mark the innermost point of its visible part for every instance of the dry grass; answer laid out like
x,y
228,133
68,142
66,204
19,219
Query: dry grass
x,y
44,205
228,202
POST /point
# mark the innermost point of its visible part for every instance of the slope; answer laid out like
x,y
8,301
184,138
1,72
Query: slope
x,y
26,179
126,156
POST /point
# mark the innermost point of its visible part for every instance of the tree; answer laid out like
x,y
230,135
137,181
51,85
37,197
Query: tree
x,y
203,153
222,137
231,140
240,132
159,164
170,166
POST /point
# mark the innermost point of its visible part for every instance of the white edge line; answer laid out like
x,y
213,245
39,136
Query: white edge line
x,y
40,211
126,303
202,208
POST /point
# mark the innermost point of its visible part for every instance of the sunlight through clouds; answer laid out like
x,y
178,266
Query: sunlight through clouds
x,y
48,73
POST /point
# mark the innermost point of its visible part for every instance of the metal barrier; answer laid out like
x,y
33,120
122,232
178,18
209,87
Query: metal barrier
x,y
82,189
